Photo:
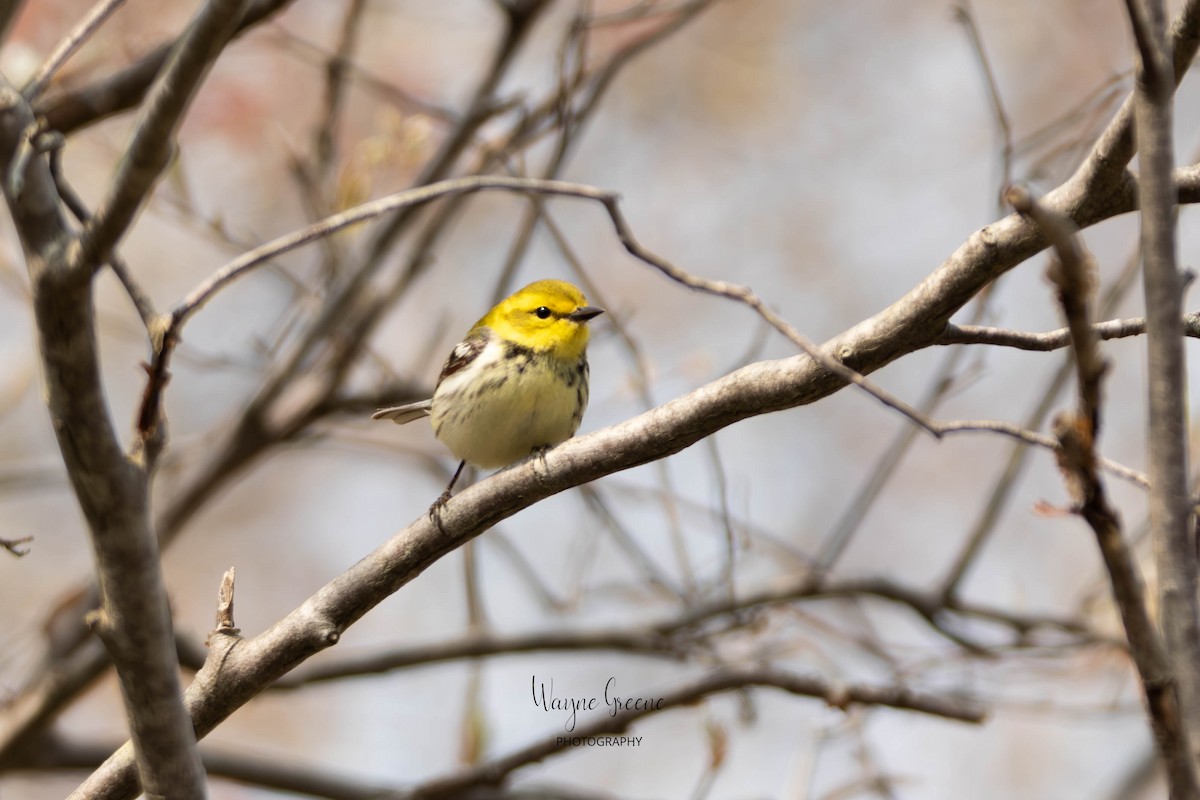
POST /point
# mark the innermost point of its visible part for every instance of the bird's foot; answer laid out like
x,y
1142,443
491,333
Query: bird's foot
x,y
435,510
541,470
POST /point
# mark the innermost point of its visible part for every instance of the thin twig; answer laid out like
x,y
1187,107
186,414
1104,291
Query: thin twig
x,y
90,23
1017,458
1047,341
1074,273
639,641
141,301
859,506
336,68
362,213
316,55
843,697
610,201
71,110
1076,432
282,775
676,638
152,143
966,16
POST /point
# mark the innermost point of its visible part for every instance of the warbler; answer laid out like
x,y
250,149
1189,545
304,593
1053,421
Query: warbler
x,y
516,385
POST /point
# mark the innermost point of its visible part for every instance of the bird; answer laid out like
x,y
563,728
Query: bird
x,y
516,385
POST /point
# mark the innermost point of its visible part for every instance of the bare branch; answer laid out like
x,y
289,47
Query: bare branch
x,y
647,641
1115,148
1146,648
1076,432
1002,491
27,184
335,87
1056,339
8,14
138,296
842,697
253,770
90,23
676,638
70,110
1171,518
1074,273
966,16
199,296
154,132
113,491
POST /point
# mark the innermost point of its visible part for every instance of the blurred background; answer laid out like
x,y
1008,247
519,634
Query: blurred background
x,y
827,155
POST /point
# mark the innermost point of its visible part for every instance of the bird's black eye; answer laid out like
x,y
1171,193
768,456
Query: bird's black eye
x,y
542,312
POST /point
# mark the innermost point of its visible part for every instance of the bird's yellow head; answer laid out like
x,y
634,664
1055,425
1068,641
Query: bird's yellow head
x,y
549,316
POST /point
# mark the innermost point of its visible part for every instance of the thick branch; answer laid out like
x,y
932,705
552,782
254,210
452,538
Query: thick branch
x,y
1115,147
113,491
251,666
915,321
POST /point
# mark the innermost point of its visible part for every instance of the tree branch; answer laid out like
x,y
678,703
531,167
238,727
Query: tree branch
x,y
72,109
283,776
842,697
113,491
960,274
8,14
677,637
242,671
1171,518
1056,339
90,23
1076,431
1115,148
915,321
153,138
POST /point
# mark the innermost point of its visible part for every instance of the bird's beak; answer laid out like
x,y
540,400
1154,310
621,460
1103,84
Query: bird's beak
x,y
585,313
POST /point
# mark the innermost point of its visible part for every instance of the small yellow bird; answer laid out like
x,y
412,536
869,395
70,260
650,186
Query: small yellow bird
x,y
516,385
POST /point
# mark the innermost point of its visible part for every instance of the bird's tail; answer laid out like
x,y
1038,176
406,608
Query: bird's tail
x,y
405,413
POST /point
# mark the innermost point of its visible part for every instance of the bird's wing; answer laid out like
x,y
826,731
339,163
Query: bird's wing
x,y
463,354
466,351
